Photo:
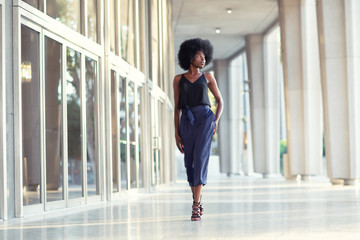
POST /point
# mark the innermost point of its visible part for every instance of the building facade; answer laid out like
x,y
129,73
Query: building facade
x,y
86,102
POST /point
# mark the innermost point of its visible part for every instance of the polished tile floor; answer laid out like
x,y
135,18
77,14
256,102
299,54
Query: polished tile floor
x,y
235,208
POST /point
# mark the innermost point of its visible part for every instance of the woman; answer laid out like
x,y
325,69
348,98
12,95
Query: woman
x,y
198,124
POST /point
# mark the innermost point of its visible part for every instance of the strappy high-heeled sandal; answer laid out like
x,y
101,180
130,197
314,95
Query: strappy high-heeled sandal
x,y
200,206
195,216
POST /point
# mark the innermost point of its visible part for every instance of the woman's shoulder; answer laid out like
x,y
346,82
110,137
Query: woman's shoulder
x,y
208,75
177,78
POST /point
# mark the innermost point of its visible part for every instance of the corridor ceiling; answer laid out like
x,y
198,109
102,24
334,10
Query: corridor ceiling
x,y
200,18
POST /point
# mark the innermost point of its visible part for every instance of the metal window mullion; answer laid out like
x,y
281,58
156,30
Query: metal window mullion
x,y
97,128
3,180
101,121
42,118
64,126
108,135
18,153
106,107
98,100
144,146
83,126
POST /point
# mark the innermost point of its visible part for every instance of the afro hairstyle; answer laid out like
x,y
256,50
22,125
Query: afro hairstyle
x,y
190,47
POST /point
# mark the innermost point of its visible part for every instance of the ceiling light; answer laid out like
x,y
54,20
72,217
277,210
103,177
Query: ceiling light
x,y
217,30
228,10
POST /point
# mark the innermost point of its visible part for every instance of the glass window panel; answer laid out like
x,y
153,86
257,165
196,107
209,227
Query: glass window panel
x,y
122,98
142,35
127,30
92,23
30,84
132,165
123,165
113,28
67,12
154,42
139,133
132,131
74,123
158,132
93,180
53,122
123,131
34,3
114,123
131,100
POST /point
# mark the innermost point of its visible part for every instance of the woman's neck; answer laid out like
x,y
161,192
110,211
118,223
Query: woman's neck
x,y
193,71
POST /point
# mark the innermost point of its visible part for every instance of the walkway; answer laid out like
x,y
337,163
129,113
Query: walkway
x,y
235,208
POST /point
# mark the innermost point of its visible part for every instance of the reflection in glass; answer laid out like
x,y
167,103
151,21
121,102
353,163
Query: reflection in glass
x,y
73,65
158,165
131,100
114,121
30,85
67,12
139,133
93,185
154,45
53,123
132,132
123,131
34,3
92,20
132,165
127,30
113,28
142,35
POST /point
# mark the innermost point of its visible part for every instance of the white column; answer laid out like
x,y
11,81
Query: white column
x,y
230,126
300,57
264,104
272,101
339,40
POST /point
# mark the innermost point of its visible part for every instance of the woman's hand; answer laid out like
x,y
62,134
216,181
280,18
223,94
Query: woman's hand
x,y
216,126
179,143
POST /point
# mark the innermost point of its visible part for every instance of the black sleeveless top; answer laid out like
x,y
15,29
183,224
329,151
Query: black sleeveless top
x,y
193,94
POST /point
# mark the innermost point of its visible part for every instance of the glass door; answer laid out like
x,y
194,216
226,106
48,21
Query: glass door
x,y
91,119
115,134
59,121
74,124
133,116
30,108
156,141
54,151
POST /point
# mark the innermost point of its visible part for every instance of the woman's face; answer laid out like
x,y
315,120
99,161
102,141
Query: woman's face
x,y
199,60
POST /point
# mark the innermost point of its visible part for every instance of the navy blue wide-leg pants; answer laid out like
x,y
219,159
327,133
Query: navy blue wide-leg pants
x,y
196,131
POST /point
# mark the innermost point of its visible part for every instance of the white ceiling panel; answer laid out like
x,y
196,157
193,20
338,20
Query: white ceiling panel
x,y
200,18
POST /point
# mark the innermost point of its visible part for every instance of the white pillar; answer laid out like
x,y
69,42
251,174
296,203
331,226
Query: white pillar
x,y
230,126
272,100
339,40
264,104
300,57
